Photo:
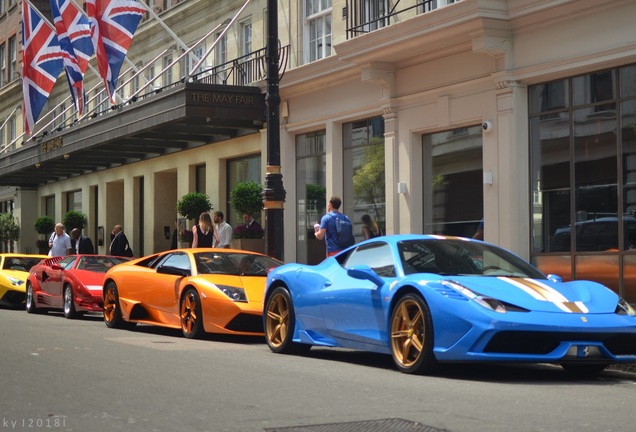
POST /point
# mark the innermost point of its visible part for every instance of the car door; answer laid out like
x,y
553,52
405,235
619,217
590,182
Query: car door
x,y
163,293
53,278
352,308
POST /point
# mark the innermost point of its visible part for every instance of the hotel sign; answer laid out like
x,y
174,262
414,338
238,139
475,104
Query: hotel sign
x,y
51,145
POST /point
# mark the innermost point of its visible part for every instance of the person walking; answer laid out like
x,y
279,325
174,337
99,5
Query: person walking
x,y
223,231
60,242
120,246
203,234
83,244
328,228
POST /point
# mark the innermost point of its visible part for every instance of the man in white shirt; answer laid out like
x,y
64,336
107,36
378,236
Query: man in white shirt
x,y
60,242
223,229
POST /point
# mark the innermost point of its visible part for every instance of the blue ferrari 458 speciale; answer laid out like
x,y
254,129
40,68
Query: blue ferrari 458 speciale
x,y
426,299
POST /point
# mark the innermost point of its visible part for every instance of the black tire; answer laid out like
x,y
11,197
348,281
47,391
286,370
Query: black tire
x,y
412,336
30,300
69,303
280,322
191,315
584,370
112,309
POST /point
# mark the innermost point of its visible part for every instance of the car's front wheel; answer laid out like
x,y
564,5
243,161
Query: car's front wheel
x,y
191,316
412,335
69,303
112,312
30,300
279,322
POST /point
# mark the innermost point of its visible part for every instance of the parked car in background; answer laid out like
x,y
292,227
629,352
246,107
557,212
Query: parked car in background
x,y
72,284
426,299
14,270
199,290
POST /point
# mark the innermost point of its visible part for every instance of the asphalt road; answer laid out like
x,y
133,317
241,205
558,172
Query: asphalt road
x,y
78,375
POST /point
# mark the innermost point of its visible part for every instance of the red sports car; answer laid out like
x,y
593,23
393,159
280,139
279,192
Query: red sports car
x,y
72,284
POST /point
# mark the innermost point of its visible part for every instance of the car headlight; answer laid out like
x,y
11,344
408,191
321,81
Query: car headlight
x,y
234,293
487,302
15,281
624,308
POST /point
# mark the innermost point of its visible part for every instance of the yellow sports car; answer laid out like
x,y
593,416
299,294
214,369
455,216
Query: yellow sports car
x,y
197,290
14,270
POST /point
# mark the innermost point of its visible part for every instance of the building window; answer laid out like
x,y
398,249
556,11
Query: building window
x,y
374,14
311,195
244,68
239,170
13,60
49,206
12,128
199,178
452,170
317,29
220,58
74,201
364,179
583,167
3,64
167,71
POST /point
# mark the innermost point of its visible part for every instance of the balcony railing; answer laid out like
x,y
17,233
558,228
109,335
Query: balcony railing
x,y
365,16
243,70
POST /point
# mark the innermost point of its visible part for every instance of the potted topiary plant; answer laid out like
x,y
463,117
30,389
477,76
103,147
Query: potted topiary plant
x,y
9,228
74,219
246,197
44,225
190,206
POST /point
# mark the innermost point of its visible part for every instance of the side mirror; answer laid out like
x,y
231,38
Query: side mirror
x,y
364,272
555,278
56,267
173,271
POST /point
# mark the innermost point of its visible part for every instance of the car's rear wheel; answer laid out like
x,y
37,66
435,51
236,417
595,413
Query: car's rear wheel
x,y
583,369
30,300
112,312
191,315
69,304
412,335
280,321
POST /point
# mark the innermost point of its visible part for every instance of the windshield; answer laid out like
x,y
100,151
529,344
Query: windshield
x,y
460,257
234,263
20,263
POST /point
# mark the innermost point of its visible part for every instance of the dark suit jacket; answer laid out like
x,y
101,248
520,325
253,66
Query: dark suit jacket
x,y
85,245
119,245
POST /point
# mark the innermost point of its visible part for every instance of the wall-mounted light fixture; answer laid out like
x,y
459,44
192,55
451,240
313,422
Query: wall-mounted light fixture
x,y
66,155
487,177
38,165
401,187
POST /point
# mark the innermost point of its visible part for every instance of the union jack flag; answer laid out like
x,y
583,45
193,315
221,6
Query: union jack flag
x,y
41,63
74,34
113,25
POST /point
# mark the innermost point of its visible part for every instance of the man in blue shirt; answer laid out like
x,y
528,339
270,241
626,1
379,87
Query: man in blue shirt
x,y
327,228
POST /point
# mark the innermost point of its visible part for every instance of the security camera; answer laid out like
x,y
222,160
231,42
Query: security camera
x,y
486,126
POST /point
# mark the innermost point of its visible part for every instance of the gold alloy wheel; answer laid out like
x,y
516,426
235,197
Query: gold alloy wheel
x,y
189,312
110,304
407,332
277,321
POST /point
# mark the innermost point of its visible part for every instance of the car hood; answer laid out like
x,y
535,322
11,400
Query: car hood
x,y
89,278
17,274
544,295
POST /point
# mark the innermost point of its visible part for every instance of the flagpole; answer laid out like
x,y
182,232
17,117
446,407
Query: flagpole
x,y
207,53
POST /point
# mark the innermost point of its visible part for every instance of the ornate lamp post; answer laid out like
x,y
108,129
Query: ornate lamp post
x,y
273,192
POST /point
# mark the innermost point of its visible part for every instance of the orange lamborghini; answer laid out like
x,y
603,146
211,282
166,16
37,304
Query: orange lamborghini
x,y
197,290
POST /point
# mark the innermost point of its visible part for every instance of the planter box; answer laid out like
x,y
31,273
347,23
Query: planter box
x,y
254,245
